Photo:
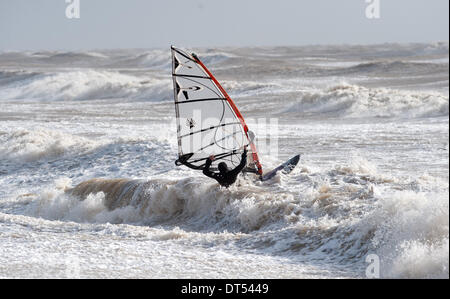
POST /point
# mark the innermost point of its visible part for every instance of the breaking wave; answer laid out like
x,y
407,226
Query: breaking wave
x,y
9,77
354,101
81,85
25,146
332,221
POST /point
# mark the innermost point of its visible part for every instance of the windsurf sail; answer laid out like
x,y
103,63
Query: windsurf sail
x,y
208,121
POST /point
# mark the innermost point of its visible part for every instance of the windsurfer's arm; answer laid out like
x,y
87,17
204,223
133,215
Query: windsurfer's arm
x,y
242,164
206,170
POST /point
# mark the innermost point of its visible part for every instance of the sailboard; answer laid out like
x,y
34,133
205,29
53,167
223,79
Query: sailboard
x,y
208,121
286,168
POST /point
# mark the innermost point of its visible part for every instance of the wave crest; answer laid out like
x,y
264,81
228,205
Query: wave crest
x,y
354,101
28,146
85,85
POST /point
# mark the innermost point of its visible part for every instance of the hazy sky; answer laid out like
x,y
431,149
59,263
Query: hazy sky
x,y
43,25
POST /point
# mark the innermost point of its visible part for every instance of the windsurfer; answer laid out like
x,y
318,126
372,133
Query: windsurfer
x,y
225,176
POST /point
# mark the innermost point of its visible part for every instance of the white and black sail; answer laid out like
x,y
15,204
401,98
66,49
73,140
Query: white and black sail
x,y
208,122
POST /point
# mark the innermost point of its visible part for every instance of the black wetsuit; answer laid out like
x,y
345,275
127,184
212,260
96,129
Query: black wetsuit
x,y
226,179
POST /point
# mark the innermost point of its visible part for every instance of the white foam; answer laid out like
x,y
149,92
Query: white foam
x,y
421,260
411,234
28,145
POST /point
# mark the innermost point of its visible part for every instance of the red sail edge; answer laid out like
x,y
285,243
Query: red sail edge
x,y
236,111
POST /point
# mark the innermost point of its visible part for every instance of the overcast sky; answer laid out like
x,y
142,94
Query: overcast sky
x,y
43,25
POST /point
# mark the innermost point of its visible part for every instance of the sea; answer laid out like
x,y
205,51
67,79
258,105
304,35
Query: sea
x,y
89,187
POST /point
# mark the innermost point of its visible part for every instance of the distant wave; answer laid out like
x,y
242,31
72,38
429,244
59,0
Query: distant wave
x,y
68,57
81,85
436,48
347,100
153,59
9,77
212,58
390,67
252,88
157,59
160,59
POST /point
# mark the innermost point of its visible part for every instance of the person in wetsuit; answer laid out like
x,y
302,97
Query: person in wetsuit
x,y
225,177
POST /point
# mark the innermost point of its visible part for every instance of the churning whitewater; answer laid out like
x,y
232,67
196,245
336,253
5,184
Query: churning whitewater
x,y
90,189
